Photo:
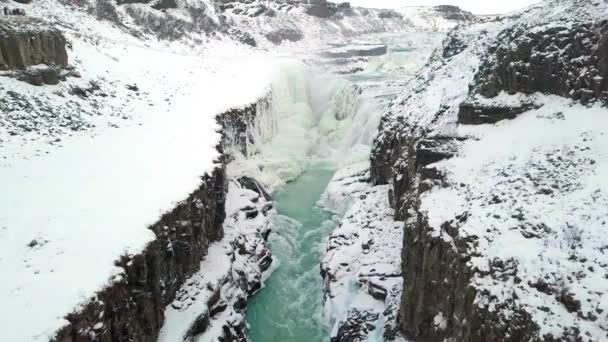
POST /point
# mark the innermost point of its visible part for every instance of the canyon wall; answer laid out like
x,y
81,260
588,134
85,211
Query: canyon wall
x,y
132,306
504,68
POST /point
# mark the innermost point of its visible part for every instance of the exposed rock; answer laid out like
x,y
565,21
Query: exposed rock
x,y
41,75
436,148
239,127
450,280
253,185
361,267
318,8
218,298
472,113
132,307
279,36
561,60
454,13
26,41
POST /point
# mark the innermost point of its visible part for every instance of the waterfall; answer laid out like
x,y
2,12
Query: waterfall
x,y
307,120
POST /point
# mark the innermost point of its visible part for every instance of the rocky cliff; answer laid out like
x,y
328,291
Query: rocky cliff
x,y
170,271
265,23
132,308
26,41
496,244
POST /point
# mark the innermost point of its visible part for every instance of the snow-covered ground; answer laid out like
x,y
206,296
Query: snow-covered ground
x,y
539,204
87,165
525,198
74,200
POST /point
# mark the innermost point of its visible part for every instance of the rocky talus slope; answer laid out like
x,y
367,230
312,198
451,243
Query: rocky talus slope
x,y
496,157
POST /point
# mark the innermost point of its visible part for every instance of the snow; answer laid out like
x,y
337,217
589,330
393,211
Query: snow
x,y
92,198
220,270
538,201
364,253
531,192
80,188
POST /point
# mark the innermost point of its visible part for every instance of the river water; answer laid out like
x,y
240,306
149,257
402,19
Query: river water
x,y
309,144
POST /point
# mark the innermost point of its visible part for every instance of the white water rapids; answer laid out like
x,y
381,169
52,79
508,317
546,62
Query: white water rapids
x,y
317,123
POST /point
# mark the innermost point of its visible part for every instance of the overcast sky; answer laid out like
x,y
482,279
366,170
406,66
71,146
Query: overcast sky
x,y
475,6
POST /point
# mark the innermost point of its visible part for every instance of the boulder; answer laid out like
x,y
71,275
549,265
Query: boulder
x,y
40,75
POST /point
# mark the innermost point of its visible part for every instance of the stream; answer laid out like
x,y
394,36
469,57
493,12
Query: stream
x,y
320,123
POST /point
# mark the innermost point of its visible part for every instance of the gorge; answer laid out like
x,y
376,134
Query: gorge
x,y
201,170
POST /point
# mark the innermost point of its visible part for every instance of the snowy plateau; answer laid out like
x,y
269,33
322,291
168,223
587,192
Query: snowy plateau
x,y
148,147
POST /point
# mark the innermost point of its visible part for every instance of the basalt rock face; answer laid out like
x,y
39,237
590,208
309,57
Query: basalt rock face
x,y
448,294
562,60
132,306
25,42
240,126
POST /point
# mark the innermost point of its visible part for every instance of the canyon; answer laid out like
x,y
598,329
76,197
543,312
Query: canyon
x,y
303,171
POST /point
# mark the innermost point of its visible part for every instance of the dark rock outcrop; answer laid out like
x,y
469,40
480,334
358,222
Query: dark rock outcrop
x,y
279,36
451,12
472,113
253,185
561,60
318,8
25,42
438,300
239,126
39,76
